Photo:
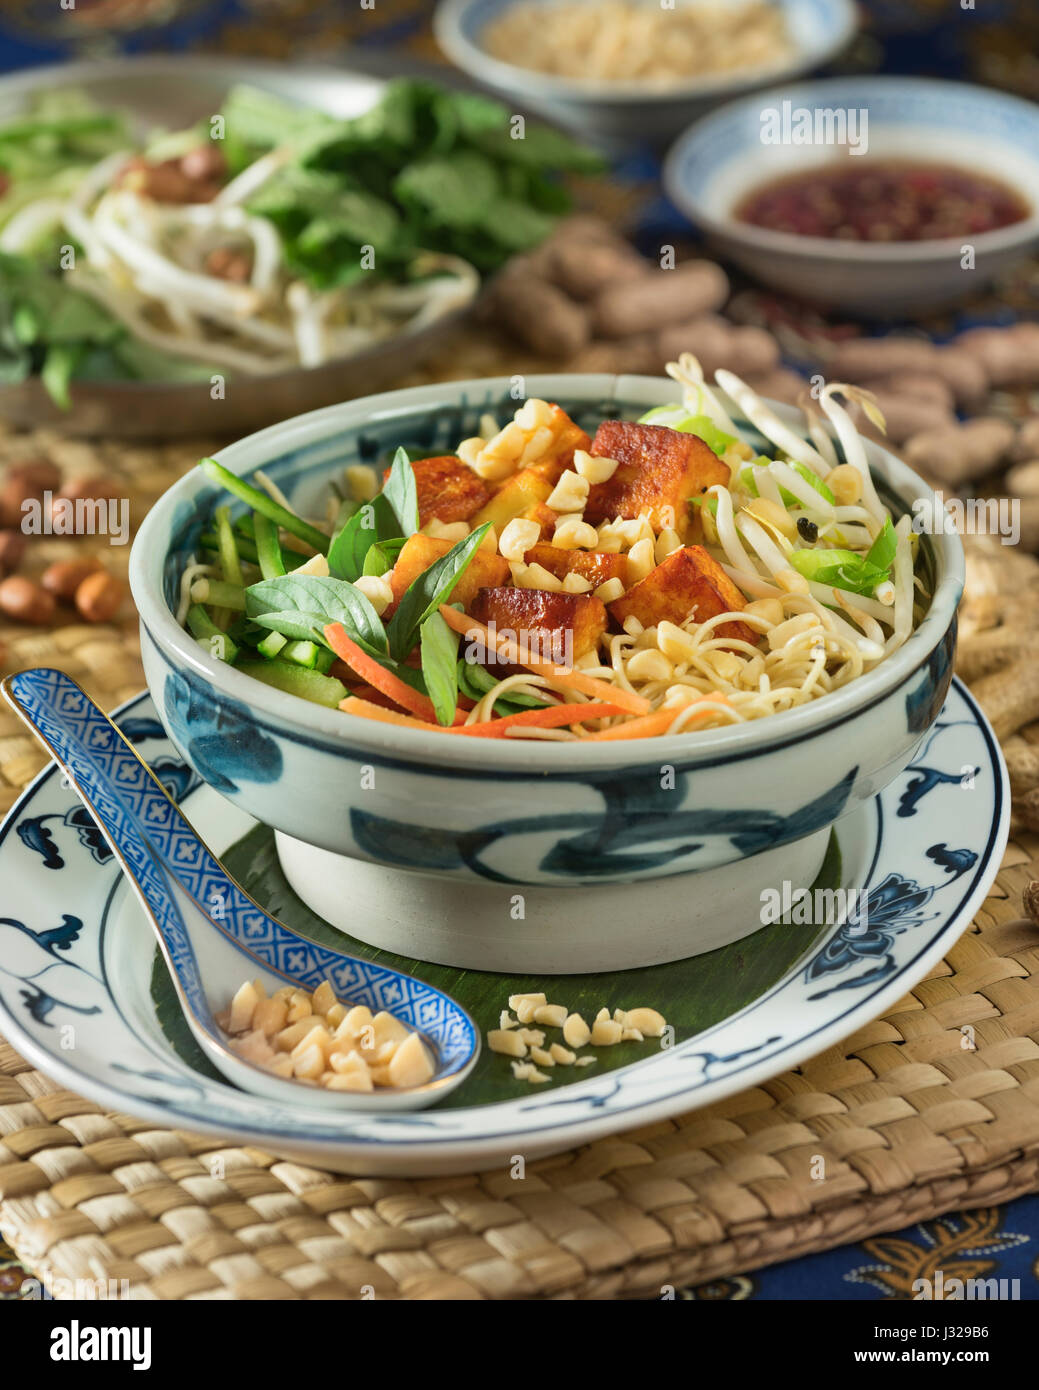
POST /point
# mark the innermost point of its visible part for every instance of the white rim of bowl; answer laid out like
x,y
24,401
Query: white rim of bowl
x,y
292,714
815,247
471,58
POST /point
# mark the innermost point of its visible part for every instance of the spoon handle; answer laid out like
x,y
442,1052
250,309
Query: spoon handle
x,y
122,796
167,859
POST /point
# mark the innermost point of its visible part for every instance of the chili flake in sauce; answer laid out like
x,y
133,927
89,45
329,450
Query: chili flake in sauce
x,y
883,200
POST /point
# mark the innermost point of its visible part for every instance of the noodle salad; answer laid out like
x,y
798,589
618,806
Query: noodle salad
x,y
661,577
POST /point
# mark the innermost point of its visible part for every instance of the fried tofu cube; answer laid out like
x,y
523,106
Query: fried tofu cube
x,y
551,627
485,569
516,496
567,436
594,565
448,489
660,470
689,579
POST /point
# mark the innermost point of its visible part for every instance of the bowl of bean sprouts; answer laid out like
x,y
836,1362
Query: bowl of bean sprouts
x,y
762,663
208,247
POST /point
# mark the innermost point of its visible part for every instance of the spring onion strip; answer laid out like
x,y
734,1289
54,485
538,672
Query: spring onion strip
x,y
764,419
279,512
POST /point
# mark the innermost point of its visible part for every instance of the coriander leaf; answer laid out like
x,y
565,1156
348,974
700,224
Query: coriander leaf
x,y
439,651
432,588
316,600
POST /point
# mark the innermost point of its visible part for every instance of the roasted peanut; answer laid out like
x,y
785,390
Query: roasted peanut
x,y
539,314
12,548
98,596
64,577
659,298
583,270
37,476
25,602
88,486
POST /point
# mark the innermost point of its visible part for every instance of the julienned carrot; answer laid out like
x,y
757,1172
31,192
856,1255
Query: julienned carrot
x,y
650,724
587,685
377,676
551,717
364,708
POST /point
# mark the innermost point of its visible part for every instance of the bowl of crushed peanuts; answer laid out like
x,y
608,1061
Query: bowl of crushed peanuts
x,y
635,70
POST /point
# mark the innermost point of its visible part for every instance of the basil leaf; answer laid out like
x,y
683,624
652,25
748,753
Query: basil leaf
x,y
400,491
440,666
426,593
382,556
319,600
349,548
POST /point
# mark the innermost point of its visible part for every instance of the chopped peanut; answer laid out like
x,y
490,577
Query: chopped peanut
x,y
323,998
575,1031
569,494
318,1041
543,1058
551,1015
647,1021
242,1007
508,1044
605,1032
594,469
562,1055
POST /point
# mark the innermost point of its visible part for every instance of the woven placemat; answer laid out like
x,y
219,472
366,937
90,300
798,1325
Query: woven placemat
x,y
910,1117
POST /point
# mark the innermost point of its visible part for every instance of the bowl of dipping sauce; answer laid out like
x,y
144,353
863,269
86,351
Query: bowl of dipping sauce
x,y
628,71
876,196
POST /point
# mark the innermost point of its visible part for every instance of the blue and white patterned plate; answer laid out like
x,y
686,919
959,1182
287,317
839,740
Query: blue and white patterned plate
x,y
76,960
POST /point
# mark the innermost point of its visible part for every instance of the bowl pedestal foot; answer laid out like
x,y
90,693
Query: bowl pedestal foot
x,y
538,930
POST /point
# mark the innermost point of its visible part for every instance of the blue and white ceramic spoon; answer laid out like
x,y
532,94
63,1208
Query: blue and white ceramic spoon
x,y
208,928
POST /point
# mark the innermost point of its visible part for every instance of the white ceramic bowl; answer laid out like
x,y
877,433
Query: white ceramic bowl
x,y
501,813
624,113
723,157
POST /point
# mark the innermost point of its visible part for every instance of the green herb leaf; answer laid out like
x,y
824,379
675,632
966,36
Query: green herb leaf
x,y
401,493
475,681
432,588
439,651
882,552
676,417
383,556
301,605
